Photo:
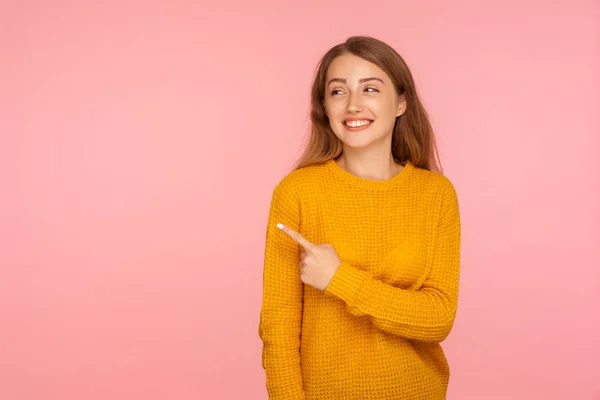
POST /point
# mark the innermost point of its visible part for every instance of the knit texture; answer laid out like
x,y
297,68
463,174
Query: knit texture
x,y
375,332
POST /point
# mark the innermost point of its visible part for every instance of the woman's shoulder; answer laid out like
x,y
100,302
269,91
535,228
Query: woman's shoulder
x,y
300,179
434,182
431,177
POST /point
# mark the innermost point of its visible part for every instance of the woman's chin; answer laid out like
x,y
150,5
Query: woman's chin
x,y
357,142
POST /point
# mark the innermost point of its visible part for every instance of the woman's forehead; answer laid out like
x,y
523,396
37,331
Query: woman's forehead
x,y
353,68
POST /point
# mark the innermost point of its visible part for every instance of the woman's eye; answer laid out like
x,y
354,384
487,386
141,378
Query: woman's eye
x,y
372,89
334,92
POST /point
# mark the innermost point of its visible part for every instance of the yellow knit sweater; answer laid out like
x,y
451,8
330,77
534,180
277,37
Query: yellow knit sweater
x,y
375,332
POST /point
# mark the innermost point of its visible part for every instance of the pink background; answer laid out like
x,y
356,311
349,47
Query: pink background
x,y
140,142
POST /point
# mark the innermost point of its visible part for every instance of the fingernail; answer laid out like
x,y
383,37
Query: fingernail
x,y
280,226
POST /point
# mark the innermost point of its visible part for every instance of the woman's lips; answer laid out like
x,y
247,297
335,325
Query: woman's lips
x,y
356,125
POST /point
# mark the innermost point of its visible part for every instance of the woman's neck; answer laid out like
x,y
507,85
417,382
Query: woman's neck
x,y
374,167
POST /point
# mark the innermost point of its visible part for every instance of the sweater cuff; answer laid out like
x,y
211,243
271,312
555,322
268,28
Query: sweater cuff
x,y
346,281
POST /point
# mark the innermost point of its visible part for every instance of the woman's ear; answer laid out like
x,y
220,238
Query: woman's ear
x,y
401,106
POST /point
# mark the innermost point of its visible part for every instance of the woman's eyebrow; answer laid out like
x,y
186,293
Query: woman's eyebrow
x,y
362,80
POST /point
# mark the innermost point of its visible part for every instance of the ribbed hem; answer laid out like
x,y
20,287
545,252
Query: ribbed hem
x,y
346,281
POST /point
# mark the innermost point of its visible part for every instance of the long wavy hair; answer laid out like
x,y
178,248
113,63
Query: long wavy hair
x,y
413,138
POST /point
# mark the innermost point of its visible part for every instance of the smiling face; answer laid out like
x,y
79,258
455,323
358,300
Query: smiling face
x,y
361,102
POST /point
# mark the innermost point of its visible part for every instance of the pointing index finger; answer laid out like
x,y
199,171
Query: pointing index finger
x,y
298,238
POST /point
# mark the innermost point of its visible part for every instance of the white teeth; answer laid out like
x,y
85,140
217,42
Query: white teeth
x,y
355,124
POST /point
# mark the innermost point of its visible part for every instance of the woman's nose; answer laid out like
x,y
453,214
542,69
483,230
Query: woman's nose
x,y
354,103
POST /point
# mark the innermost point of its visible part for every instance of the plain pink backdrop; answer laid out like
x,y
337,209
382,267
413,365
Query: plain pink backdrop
x,y
140,142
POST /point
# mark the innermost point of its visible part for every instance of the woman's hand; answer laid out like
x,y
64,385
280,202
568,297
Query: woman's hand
x,y
318,263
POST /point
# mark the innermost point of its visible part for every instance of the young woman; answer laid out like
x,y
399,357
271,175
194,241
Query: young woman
x,y
362,257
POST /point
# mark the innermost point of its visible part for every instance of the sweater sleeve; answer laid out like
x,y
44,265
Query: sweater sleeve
x,y
281,312
426,314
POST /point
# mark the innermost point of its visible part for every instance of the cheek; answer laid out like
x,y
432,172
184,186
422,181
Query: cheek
x,y
335,115
382,107
332,110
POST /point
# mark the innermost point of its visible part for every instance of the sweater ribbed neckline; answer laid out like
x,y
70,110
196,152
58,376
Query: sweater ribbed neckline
x,y
370,184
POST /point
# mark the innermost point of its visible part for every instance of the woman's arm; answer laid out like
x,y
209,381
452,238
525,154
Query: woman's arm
x,y
426,314
281,313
